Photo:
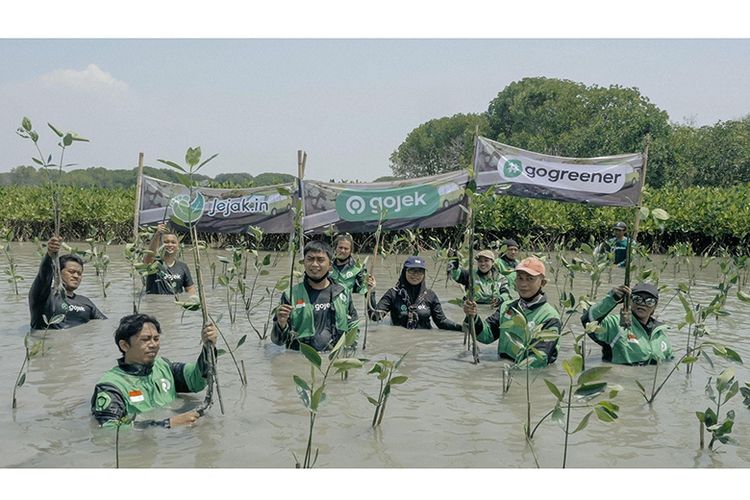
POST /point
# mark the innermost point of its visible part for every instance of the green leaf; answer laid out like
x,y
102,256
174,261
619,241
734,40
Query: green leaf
x,y
553,389
67,140
744,297
173,165
311,354
193,156
376,368
21,380
583,423
400,379
590,390
558,416
241,341
573,365
593,374
400,360
317,398
301,382
220,352
202,164
58,318
660,214
344,364
303,395
57,132
605,414
267,259
373,401
644,212
723,380
26,124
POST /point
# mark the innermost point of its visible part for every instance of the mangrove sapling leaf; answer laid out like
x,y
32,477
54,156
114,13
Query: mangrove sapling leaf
x,y
583,423
311,354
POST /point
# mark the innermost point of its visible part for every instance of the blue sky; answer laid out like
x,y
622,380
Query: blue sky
x,y
348,103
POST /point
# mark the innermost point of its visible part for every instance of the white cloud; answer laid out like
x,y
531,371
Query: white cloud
x,y
92,79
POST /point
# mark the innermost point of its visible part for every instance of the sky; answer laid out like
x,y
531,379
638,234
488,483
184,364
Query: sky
x,y
347,102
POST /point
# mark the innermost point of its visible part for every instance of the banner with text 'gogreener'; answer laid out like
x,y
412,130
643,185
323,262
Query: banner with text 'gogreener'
x,y
605,181
434,201
221,210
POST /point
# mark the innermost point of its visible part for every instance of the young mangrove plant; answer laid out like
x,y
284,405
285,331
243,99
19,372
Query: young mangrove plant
x,y
586,389
97,255
385,370
6,236
31,350
187,209
27,131
525,350
312,391
134,253
726,386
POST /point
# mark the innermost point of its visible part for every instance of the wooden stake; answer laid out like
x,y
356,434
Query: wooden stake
x,y
138,186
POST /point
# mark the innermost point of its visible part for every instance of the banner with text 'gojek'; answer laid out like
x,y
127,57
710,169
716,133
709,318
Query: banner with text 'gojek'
x,y
434,201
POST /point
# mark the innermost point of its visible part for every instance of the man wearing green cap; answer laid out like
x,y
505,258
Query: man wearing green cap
x,y
490,287
645,342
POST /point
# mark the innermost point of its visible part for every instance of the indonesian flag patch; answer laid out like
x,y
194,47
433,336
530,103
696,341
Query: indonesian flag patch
x,y
135,396
300,303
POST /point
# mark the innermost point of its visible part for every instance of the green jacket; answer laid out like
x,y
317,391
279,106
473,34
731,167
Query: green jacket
x,y
491,286
639,345
351,276
129,390
302,320
498,327
620,249
509,271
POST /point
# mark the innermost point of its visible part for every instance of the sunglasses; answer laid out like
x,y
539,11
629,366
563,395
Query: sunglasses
x,y
642,300
415,270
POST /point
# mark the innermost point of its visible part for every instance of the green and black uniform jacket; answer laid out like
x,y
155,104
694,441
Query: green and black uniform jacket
x,y
639,345
77,308
128,390
538,311
169,280
349,275
620,249
319,317
488,288
507,268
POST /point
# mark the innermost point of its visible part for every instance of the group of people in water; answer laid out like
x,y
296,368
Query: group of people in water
x,y
321,310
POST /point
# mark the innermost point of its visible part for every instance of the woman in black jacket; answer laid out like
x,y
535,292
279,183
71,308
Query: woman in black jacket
x,y
410,303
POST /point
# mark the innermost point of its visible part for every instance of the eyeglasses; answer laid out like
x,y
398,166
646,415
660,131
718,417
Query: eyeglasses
x,y
642,300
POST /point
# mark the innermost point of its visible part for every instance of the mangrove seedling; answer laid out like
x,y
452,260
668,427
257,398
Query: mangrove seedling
x,y
726,386
6,236
313,393
586,388
384,371
31,351
27,131
187,209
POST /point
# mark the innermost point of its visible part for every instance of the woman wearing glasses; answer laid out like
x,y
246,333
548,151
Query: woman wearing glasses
x,y
645,342
410,303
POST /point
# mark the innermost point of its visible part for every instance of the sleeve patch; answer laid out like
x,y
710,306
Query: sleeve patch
x,y
103,401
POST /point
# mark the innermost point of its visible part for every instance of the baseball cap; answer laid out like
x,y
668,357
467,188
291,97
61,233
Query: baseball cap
x,y
510,243
620,225
646,288
485,253
531,265
415,262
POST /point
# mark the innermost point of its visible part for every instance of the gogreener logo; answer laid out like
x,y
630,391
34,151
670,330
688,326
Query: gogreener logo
x,y
399,203
586,178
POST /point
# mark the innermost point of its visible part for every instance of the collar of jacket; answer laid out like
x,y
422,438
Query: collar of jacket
x,y
134,368
539,300
336,289
347,263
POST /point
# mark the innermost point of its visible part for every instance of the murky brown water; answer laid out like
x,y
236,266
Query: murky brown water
x,y
449,413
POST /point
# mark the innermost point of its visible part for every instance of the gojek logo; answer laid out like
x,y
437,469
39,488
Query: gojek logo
x,y
399,203
604,179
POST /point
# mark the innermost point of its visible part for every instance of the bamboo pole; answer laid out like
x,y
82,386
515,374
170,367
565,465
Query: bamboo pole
x,y
371,272
301,162
138,186
470,288
625,316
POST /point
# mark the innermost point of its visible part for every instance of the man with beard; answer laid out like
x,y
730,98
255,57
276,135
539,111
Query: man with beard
x,y
410,303
320,311
142,381
345,271
645,342
45,302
